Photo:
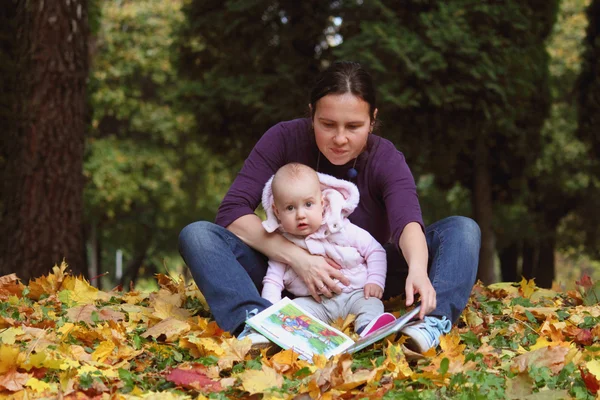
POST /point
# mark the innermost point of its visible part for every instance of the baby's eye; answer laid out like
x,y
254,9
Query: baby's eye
x,y
309,204
289,208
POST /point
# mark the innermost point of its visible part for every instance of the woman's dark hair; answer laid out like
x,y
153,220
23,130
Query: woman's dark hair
x,y
345,77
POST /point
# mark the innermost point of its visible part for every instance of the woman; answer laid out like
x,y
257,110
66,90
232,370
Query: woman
x,y
228,259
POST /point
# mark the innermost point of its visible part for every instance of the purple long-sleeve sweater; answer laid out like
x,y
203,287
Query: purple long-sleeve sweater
x,y
388,194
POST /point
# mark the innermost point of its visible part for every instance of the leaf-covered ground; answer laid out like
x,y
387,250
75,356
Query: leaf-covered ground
x,y
62,338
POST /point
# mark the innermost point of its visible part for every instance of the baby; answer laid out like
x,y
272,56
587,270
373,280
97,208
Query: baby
x,y
310,209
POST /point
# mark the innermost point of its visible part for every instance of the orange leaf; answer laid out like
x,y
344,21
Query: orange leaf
x,y
11,286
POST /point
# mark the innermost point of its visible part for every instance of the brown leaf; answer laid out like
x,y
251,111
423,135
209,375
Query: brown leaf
x,y
552,357
84,313
519,387
13,380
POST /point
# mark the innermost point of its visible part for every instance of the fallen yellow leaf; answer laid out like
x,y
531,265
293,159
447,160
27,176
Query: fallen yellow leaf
x,y
8,336
8,358
171,328
103,350
254,381
594,367
40,386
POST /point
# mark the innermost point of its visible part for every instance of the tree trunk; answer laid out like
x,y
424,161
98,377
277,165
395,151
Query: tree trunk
x,y
529,259
545,271
133,267
95,259
43,185
509,260
483,211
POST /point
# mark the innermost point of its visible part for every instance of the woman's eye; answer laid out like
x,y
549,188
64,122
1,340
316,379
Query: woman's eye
x,y
328,125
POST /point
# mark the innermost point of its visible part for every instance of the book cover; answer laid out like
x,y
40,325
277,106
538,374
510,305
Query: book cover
x,y
291,327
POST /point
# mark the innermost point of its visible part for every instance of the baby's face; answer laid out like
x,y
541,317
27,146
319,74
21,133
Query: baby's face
x,y
299,205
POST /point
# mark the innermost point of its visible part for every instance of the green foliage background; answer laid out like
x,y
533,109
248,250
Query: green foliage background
x,y
181,90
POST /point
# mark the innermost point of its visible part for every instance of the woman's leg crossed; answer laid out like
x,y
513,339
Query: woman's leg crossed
x,y
228,272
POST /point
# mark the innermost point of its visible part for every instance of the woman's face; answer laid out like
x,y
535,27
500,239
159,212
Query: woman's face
x,y
342,125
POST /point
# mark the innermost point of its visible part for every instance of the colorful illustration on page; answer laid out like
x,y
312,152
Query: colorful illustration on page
x,y
292,320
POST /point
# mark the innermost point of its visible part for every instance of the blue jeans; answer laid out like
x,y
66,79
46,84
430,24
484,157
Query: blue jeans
x,y
229,273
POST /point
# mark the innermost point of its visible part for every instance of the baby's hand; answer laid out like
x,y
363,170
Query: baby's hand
x,y
373,290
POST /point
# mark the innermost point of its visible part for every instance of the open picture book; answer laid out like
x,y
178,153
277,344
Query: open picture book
x,y
291,327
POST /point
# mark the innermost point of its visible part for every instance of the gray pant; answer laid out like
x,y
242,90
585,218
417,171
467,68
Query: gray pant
x,y
339,306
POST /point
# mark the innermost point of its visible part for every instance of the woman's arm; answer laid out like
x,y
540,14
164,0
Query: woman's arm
x,y
414,249
315,271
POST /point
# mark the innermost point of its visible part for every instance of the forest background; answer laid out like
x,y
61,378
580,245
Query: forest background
x,y
123,121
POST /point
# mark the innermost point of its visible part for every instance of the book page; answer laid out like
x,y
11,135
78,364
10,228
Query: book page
x,y
291,327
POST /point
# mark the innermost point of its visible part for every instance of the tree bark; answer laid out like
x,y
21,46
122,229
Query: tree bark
x,y
43,187
545,271
509,262
529,259
483,211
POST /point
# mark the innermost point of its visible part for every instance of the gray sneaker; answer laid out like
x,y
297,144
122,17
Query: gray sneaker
x,y
425,334
258,340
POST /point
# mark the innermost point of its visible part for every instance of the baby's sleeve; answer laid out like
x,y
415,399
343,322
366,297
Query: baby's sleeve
x,y
273,282
373,253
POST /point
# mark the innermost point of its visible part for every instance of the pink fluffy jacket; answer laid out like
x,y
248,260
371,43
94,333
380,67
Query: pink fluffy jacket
x,y
362,258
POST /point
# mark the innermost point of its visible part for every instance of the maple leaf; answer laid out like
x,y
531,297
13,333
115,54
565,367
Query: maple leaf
x,y
527,287
194,378
13,380
591,381
47,284
103,350
396,363
234,350
8,358
284,361
585,282
90,314
255,381
79,291
171,328
40,386
552,357
451,346
9,335
10,285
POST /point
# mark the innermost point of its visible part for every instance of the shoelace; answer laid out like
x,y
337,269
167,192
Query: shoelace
x,y
435,327
247,329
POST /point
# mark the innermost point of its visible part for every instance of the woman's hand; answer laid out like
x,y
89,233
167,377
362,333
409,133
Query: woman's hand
x,y
418,282
373,290
320,275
